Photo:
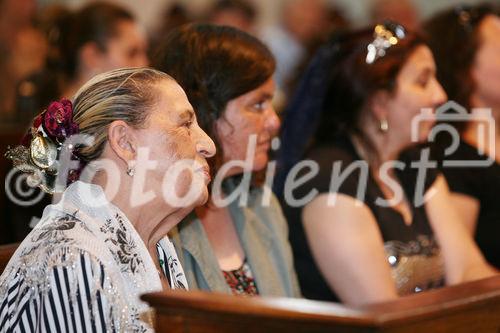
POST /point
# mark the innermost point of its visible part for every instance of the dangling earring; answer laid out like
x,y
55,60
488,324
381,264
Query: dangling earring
x,y
384,125
130,171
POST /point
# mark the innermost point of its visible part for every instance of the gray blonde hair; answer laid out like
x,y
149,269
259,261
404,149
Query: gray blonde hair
x,y
122,94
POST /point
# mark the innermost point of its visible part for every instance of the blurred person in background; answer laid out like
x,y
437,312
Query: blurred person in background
x,y
302,23
101,37
402,11
466,44
336,22
174,15
23,49
35,90
239,14
96,38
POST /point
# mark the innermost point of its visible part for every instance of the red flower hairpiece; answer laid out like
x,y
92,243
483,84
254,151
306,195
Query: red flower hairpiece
x,y
42,144
58,122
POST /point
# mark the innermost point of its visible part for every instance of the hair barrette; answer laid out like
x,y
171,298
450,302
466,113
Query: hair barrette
x,y
385,36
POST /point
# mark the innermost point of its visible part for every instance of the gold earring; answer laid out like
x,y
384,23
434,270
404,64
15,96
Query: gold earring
x,y
384,125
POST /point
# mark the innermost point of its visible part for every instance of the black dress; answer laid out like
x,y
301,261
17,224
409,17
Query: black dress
x,y
483,184
411,250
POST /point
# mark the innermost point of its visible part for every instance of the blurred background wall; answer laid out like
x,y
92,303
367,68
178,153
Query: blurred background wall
x,y
357,11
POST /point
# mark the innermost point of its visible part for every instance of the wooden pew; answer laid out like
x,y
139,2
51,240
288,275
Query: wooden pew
x,y
469,308
6,252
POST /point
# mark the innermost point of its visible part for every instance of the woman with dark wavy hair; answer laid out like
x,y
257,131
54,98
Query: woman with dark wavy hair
x,y
240,246
370,226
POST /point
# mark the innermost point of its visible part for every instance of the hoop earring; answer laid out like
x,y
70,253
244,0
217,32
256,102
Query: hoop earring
x,y
384,125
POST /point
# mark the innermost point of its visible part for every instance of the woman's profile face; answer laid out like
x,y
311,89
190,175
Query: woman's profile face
x,y
248,117
486,67
127,48
416,88
173,138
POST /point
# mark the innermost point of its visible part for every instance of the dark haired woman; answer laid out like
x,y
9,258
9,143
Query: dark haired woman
x,y
465,43
364,235
241,247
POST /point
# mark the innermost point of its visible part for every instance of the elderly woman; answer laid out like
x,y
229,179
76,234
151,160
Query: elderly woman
x,y
238,242
466,46
85,264
365,224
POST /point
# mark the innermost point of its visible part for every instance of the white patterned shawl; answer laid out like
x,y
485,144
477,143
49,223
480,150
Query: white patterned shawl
x,y
83,269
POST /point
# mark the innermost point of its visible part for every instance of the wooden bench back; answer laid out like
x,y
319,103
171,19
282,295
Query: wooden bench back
x,y
469,307
6,252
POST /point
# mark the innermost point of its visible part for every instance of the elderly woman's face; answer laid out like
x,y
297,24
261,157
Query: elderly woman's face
x,y
173,139
251,114
486,68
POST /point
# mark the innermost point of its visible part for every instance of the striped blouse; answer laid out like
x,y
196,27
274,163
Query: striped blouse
x,y
83,269
55,310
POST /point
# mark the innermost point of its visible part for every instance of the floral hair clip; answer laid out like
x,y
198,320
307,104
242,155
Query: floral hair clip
x,y
40,147
385,35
